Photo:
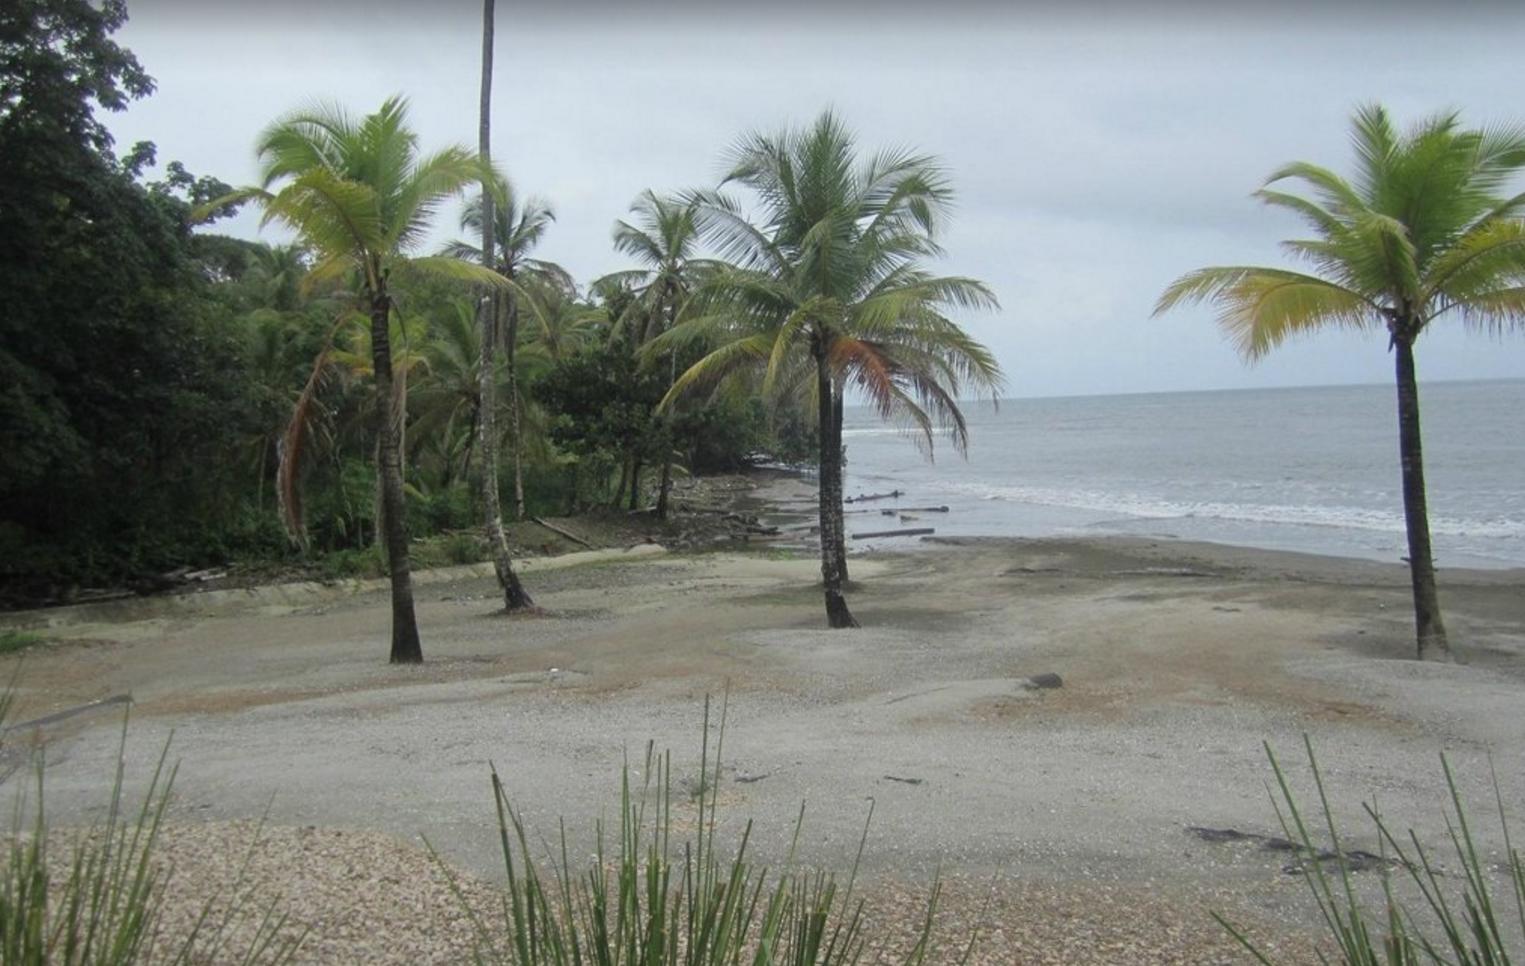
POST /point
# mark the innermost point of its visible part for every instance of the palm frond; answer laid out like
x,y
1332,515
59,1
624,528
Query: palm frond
x,y
715,366
1259,308
293,442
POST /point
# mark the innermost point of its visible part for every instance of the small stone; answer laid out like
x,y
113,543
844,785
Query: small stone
x,y
1043,682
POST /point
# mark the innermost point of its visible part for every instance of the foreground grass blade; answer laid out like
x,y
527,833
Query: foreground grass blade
x,y
1469,935
654,903
104,905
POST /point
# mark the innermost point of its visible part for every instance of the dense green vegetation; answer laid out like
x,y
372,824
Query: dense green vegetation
x,y
170,396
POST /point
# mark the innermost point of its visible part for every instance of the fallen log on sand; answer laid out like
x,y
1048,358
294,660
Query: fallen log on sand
x,y
864,498
913,532
565,533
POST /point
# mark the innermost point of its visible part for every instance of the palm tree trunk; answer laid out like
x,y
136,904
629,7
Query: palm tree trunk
x,y
379,503
471,444
516,437
635,484
836,435
514,596
406,648
832,563
1433,645
664,486
619,488
259,485
402,421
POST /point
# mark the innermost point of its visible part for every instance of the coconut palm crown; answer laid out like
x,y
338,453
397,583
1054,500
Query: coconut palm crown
x,y
827,290
518,227
664,240
1424,229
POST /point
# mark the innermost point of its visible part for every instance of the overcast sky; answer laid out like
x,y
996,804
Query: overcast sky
x,y
1097,154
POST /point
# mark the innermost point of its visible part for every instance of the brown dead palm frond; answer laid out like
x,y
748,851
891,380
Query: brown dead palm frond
x,y
293,441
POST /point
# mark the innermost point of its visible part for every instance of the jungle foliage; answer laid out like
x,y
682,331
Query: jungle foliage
x,y
172,397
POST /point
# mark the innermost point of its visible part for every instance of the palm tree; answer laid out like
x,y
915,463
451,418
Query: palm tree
x,y
664,241
1422,231
509,229
452,395
360,197
828,291
276,273
514,595
558,322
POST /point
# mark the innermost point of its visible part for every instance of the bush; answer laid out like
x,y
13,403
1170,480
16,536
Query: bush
x,y
363,562
447,550
435,510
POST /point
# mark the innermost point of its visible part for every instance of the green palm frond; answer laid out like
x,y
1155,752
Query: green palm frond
x,y
333,214
1336,193
1492,251
454,269
1322,220
723,224
1494,311
419,188
712,368
1259,308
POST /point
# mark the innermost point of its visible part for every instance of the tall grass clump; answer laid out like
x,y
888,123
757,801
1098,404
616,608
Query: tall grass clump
x,y
1461,923
98,900
656,902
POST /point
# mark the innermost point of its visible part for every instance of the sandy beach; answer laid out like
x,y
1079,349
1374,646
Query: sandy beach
x,y
1058,816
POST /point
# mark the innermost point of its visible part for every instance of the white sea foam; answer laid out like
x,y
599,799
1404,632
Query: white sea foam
x,y
1136,505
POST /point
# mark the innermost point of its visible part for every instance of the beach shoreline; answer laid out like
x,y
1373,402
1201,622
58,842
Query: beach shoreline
x,y
1176,662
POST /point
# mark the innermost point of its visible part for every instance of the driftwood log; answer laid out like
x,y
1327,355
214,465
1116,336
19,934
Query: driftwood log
x,y
864,498
565,533
913,532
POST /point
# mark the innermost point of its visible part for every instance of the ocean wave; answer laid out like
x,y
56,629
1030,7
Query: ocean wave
x,y
1135,505
874,431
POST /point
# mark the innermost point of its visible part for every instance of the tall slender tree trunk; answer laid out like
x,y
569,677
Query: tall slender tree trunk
x,y
832,562
259,485
1433,645
515,405
514,596
836,442
635,485
619,488
406,648
664,483
379,502
664,487
471,444
402,418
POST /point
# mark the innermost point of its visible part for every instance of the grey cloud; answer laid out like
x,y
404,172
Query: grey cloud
x,y
1098,152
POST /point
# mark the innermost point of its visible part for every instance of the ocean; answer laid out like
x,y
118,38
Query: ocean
x,y
1308,469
